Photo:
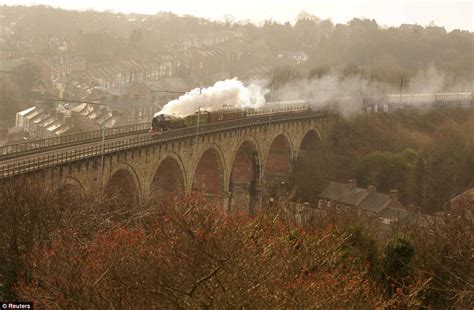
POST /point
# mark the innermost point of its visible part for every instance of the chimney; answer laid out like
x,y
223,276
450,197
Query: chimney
x,y
351,183
371,189
394,195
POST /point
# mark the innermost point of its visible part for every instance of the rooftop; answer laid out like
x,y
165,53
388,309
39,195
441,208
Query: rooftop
x,y
334,191
464,199
375,202
353,196
24,112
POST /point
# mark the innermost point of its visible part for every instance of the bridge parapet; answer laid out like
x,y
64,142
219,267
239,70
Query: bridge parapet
x,y
10,151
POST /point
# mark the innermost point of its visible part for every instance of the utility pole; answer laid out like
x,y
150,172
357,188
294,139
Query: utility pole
x,y
197,125
401,90
271,109
102,151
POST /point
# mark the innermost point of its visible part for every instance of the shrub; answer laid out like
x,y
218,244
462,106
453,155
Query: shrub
x,y
396,260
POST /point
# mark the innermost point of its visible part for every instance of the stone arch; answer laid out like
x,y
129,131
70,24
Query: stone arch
x,y
169,179
71,188
209,174
310,140
123,187
279,155
272,139
71,182
278,165
244,176
308,173
248,139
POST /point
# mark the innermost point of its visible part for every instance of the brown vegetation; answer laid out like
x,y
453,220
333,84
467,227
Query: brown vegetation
x,y
69,253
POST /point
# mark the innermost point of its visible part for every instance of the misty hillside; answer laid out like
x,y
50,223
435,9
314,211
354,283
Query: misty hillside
x,y
67,49
405,49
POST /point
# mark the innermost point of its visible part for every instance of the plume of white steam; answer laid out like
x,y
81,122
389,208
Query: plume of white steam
x,y
226,93
428,81
432,80
347,93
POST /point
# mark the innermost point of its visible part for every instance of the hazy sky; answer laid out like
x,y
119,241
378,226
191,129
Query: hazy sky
x,y
448,13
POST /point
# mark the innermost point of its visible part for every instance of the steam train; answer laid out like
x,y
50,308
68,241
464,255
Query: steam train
x,y
165,122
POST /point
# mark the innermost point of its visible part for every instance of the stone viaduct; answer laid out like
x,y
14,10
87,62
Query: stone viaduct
x,y
229,165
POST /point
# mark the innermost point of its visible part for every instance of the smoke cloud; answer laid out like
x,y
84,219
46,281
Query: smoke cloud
x,y
226,93
428,81
431,80
346,94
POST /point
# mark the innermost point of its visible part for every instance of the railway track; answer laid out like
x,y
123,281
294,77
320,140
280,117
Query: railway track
x,y
39,146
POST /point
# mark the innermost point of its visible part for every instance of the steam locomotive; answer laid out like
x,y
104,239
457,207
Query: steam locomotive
x,y
165,122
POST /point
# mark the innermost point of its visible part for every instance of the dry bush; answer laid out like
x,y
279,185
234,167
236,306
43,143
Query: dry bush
x,y
445,253
191,254
84,253
28,214
33,211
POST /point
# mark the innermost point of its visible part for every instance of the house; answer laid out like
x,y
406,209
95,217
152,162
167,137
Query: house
x,y
352,196
123,72
61,65
374,202
463,202
42,122
22,121
331,194
131,107
88,117
215,62
464,199
347,196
